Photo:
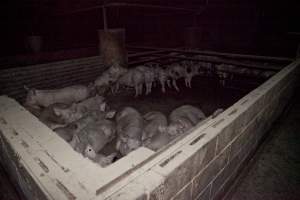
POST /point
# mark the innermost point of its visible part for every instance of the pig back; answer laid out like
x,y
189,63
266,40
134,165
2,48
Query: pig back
x,y
153,120
71,94
187,112
129,123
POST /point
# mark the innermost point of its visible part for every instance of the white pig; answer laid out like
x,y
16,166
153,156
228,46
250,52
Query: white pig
x,y
110,76
92,138
49,117
67,95
182,119
132,78
163,78
129,130
158,141
149,76
191,70
153,120
100,159
176,71
75,112
67,132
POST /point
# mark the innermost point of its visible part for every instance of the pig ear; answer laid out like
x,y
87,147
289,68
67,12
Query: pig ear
x,y
102,106
110,114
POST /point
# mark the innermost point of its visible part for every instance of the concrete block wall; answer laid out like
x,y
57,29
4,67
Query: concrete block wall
x,y
205,166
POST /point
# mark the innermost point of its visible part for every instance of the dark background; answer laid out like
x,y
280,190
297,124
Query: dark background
x,y
262,27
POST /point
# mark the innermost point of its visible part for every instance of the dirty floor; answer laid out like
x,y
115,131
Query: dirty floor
x,y
274,172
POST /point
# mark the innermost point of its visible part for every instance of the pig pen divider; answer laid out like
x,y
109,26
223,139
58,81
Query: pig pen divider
x,y
45,162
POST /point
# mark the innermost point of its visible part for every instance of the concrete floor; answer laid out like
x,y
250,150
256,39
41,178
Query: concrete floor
x,y
274,171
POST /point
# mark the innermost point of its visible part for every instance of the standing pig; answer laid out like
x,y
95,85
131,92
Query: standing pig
x,y
175,71
149,76
110,76
37,98
132,78
163,78
182,119
129,130
153,120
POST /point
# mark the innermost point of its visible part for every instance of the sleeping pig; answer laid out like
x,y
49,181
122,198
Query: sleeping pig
x,y
67,132
92,138
153,120
182,119
76,111
129,130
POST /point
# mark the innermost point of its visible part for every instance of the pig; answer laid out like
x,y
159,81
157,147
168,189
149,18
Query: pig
x,y
77,111
91,104
182,119
191,70
175,71
149,76
100,159
48,114
129,130
158,141
67,132
93,137
110,76
132,78
43,98
153,120
163,78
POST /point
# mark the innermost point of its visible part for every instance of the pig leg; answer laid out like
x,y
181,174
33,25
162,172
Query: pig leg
x,y
186,82
163,87
150,87
190,82
175,85
169,83
147,88
136,91
140,89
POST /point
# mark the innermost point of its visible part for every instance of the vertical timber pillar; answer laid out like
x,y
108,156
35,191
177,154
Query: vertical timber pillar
x,y
112,46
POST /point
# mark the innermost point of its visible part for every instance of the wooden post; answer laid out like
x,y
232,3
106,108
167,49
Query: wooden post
x,y
104,18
